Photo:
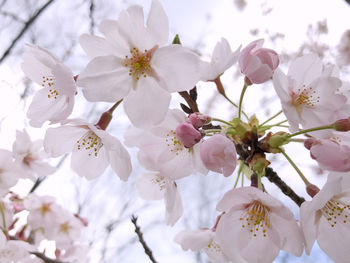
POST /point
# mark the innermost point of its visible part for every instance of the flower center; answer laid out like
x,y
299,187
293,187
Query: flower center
x,y
90,142
336,211
49,83
28,159
256,218
139,63
65,227
305,96
173,143
160,181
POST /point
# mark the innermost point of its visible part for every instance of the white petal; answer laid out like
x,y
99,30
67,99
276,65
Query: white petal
x,y
95,46
308,225
89,166
157,23
148,104
194,240
150,186
173,203
61,140
105,79
177,67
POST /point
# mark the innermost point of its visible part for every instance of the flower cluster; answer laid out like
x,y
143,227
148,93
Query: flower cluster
x,y
133,64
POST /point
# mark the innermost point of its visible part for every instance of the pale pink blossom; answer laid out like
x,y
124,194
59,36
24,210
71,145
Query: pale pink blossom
x,y
257,63
222,59
196,240
330,155
9,172
326,218
131,63
13,251
218,154
92,149
161,148
188,134
30,156
308,93
154,186
256,226
55,101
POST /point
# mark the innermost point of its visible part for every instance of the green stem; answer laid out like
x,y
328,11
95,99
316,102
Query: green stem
x,y
2,211
241,100
212,130
295,167
264,128
311,130
271,118
219,120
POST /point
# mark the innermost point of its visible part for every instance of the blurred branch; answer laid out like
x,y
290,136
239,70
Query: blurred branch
x,y
13,16
142,241
347,1
26,26
91,16
45,258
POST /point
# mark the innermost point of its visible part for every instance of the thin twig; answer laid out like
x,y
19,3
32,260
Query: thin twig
x,y
142,241
26,26
91,16
274,178
193,105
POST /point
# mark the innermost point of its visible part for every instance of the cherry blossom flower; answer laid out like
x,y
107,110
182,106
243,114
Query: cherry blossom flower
x,y
205,239
256,226
55,101
330,155
160,147
326,218
154,186
9,173
308,94
257,63
13,250
30,156
218,154
130,64
222,59
93,149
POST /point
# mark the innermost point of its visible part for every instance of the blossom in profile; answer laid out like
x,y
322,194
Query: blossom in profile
x,y
256,226
204,239
92,149
154,186
30,156
330,155
221,60
326,218
257,63
131,63
218,154
307,93
55,101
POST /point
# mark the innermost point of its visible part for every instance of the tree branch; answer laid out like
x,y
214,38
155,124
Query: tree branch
x,y
142,241
46,259
193,105
26,26
274,178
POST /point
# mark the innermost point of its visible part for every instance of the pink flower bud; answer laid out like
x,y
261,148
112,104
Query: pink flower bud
x,y
258,63
218,154
342,125
309,142
331,155
187,134
198,119
312,190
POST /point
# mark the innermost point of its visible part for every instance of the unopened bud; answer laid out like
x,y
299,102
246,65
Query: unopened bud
x,y
198,119
309,142
104,121
312,190
342,125
187,134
